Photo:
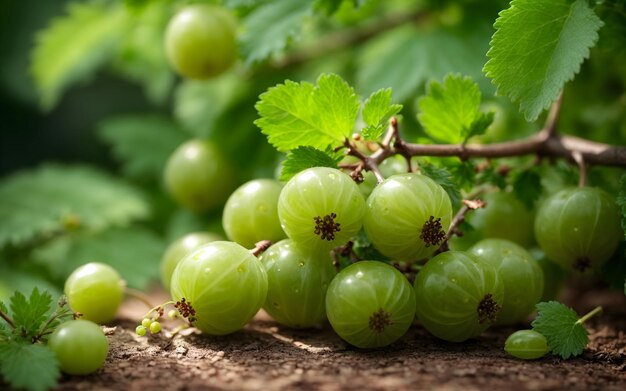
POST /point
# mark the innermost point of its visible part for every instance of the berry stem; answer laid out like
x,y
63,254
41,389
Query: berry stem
x,y
458,219
582,168
590,315
136,294
7,319
260,247
158,308
61,312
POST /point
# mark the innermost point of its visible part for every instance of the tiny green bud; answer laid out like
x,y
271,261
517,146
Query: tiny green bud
x,y
140,330
155,327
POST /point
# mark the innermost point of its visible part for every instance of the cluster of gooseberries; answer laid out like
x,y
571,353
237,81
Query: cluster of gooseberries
x,y
487,278
456,295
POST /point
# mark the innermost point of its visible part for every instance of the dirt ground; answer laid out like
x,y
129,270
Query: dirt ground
x,y
266,356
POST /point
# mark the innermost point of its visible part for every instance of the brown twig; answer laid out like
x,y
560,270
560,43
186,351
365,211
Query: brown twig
x,y
260,247
556,145
458,218
546,143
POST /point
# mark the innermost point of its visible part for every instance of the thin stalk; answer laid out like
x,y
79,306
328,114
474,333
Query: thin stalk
x,y
7,319
136,294
590,315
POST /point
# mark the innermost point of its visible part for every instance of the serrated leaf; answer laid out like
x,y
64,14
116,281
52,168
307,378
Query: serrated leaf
x,y
73,46
29,314
491,176
527,187
463,173
538,46
480,124
302,158
141,55
269,28
406,57
621,201
377,111
559,324
143,143
40,202
29,367
199,104
4,327
450,112
301,114
445,179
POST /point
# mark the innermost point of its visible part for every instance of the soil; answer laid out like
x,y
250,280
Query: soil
x,y
267,356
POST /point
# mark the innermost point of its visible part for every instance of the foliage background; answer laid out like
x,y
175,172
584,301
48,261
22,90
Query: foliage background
x,y
94,95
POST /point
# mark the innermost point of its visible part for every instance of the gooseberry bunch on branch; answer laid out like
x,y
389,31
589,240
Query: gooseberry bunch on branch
x,y
382,213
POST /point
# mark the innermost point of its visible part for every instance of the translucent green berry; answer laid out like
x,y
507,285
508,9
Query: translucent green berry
x,y
146,322
173,314
155,327
526,344
140,330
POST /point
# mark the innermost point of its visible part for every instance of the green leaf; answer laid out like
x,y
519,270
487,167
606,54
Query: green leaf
x,y
143,143
134,252
301,114
491,175
270,27
29,367
480,125
445,179
24,277
559,324
141,56
621,201
537,47
302,158
527,187
463,173
406,57
53,198
451,111
73,46
29,314
377,111
199,104
5,331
